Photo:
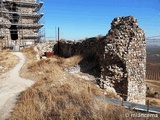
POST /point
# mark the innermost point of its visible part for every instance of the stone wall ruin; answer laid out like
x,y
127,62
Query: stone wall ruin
x,y
121,56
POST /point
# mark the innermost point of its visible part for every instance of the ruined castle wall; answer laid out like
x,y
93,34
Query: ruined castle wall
x,y
121,55
127,48
87,47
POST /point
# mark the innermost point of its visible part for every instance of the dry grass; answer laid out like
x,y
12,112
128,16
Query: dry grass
x,y
58,95
154,88
46,101
155,83
29,52
68,62
51,69
153,101
35,69
39,69
7,60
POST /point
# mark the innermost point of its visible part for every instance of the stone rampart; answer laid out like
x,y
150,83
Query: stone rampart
x,y
121,57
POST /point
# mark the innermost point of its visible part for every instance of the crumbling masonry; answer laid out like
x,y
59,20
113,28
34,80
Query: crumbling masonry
x,y
121,56
20,22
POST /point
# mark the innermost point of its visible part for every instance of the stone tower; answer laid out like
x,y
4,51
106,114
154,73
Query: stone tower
x,y
124,59
20,22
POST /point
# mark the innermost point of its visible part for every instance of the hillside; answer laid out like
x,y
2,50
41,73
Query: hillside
x,y
153,74
153,62
58,94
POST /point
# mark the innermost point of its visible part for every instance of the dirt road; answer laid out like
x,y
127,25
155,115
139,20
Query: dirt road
x,y
11,84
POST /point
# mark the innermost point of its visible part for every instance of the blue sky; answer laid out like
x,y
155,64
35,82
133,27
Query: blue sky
x,y
79,19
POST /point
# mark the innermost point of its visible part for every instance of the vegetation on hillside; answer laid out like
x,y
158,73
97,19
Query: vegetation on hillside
x,y
153,62
7,61
58,95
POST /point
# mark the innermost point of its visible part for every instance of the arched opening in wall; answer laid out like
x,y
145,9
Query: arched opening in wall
x,y
90,65
116,72
122,88
13,32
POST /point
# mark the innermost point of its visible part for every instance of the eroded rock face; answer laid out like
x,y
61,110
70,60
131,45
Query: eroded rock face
x,y
121,57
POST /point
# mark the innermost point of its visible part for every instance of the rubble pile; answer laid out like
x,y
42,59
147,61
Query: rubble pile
x,y
42,48
45,47
121,56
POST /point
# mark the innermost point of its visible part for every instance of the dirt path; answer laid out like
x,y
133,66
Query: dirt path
x,y
11,84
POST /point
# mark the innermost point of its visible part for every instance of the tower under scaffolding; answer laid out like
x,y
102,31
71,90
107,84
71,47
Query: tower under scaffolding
x,y
21,22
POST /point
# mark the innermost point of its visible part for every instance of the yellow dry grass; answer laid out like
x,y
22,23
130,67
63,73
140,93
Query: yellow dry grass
x,y
46,102
29,52
153,101
154,87
38,69
68,62
58,95
154,83
51,69
7,60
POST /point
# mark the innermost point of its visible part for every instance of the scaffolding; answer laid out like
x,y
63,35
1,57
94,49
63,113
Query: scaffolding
x,y
21,22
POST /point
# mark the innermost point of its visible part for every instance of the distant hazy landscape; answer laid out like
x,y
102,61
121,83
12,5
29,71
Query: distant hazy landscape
x,y
153,62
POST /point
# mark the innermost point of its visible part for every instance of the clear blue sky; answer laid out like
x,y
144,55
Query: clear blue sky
x,y
79,19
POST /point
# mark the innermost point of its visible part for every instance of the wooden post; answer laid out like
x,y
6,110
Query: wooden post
x,y
55,33
58,41
58,33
